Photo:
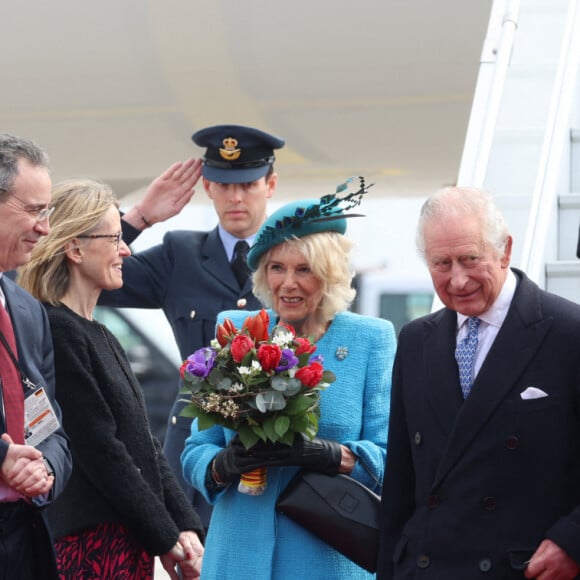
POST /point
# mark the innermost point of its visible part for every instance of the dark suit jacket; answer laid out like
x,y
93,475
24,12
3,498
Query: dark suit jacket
x,y
475,486
189,277
35,355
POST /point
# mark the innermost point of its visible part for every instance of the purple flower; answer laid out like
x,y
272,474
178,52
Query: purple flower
x,y
288,360
201,362
317,358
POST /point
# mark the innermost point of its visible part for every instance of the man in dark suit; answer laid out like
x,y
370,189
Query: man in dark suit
x,y
192,275
30,476
483,457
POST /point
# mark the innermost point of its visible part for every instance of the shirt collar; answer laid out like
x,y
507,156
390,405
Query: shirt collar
x,y
230,241
496,314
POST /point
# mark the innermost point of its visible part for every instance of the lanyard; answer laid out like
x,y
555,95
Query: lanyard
x,y
23,377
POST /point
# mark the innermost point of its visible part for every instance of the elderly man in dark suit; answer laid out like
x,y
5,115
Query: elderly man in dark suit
x,y
31,475
194,275
483,457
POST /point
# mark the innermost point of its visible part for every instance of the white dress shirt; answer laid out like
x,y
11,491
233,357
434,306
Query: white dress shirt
x,y
491,321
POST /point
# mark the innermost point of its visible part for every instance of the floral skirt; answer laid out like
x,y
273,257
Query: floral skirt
x,y
106,552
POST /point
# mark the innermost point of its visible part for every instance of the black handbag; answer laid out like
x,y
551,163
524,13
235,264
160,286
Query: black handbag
x,y
339,510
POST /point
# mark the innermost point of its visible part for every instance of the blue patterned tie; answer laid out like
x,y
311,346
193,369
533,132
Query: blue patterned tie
x,y
465,355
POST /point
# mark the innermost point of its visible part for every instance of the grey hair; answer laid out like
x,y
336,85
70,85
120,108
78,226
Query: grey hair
x,y
11,150
463,201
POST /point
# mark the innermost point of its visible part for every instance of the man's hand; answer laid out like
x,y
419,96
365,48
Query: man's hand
x,y
167,195
550,562
23,469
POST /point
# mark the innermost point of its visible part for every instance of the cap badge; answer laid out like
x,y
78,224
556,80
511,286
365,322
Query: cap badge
x,y
230,152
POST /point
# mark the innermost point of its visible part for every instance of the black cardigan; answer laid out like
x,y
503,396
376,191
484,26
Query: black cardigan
x,y
120,473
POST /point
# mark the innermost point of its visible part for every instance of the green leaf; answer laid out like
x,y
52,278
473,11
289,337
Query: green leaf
x,y
300,423
247,436
270,429
299,405
281,425
205,421
260,432
312,428
328,377
190,411
288,438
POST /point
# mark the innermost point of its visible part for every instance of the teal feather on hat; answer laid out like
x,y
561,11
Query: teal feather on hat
x,y
306,217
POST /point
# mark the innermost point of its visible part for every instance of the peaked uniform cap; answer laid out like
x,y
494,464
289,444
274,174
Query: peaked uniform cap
x,y
235,153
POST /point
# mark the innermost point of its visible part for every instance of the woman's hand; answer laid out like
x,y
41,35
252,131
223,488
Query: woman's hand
x,y
191,565
322,455
234,460
187,554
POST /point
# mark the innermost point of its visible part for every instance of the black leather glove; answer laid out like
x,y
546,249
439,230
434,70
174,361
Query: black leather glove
x,y
321,455
234,460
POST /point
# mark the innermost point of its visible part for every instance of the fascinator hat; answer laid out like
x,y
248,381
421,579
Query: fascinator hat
x,y
307,216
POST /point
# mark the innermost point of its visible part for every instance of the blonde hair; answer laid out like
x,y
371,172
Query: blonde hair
x,y
327,254
79,206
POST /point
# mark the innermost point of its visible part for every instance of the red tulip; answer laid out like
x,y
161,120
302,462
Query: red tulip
x,y
225,332
257,326
269,356
304,346
310,375
241,346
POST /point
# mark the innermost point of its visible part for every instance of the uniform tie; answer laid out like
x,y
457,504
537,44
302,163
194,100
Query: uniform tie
x,y
239,262
465,355
11,382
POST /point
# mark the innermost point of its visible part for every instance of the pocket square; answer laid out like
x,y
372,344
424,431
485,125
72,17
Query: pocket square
x,y
533,393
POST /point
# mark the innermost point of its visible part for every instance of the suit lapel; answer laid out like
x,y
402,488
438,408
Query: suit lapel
x,y
19,314
444,392
215,262
518,340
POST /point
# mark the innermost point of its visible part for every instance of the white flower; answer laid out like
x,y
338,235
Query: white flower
x,y
253,369
282,337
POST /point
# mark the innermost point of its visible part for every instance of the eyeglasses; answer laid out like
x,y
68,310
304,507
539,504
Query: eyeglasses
x,y
115,237
39,213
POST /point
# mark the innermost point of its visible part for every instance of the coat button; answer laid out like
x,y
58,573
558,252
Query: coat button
x,y
418,438
242,303
485,565
173,420
432,501
489,503
512,442
192,314
423,561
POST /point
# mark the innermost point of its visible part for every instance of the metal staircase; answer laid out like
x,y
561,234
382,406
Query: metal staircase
x,y
523,139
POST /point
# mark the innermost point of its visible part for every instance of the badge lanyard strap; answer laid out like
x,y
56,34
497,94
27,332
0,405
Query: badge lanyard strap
x,y
23,377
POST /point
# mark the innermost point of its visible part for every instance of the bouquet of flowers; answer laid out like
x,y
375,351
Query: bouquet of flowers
x,y
264,387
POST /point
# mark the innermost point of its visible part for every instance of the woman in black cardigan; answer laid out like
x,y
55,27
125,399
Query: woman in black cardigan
x,y
123,505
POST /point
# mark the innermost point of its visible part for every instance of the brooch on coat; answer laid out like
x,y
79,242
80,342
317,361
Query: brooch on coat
x,y
341,352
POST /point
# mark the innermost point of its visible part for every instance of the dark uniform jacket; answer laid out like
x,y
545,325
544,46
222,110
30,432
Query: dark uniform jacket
x,y
472,488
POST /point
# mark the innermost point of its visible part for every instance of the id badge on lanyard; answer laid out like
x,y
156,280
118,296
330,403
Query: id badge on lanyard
x,y
40,420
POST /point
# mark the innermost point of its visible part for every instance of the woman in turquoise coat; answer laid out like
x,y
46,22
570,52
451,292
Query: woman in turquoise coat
x,y
301,272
